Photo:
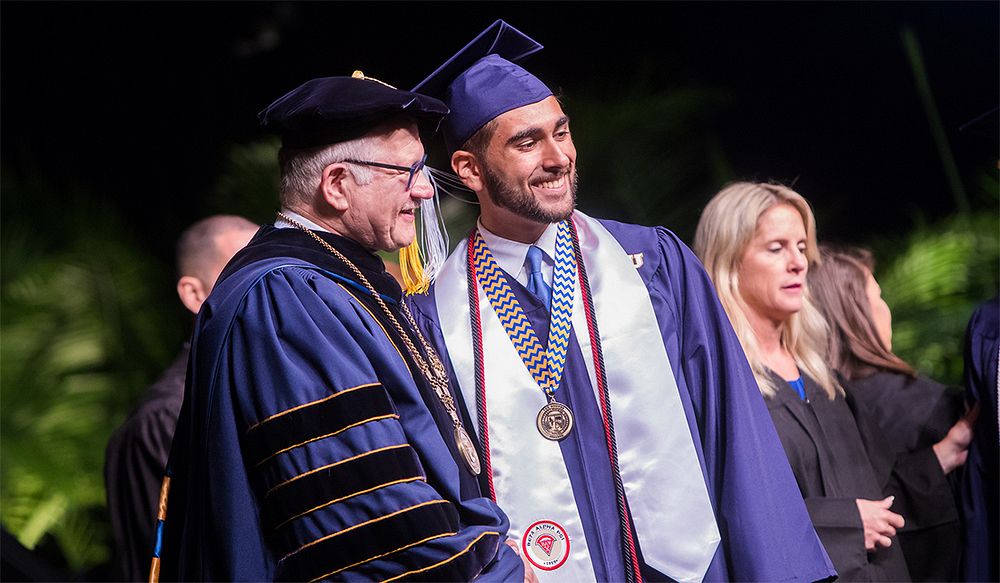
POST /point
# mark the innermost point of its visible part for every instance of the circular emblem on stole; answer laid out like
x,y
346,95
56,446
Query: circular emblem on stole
x,y
546,545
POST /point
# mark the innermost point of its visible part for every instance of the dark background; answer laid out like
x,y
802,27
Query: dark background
x,y
122,123
138,102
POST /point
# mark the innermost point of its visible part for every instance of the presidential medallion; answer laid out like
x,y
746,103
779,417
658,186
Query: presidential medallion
x,y
467,449
554,421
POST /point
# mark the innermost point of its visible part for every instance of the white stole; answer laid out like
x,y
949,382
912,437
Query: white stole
x,y
666,491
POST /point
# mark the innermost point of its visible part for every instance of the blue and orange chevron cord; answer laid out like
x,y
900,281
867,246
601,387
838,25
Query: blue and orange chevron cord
x,y
630,556
546,367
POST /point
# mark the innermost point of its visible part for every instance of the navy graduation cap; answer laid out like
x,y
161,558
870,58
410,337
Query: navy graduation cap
x,y
482,81
335,109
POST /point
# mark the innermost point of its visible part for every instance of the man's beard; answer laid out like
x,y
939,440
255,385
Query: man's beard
x,y
522,203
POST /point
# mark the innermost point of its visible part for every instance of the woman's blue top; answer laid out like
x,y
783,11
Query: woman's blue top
x,y
799,387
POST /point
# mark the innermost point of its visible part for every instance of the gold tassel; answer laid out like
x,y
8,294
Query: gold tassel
x,y
412,268
161,517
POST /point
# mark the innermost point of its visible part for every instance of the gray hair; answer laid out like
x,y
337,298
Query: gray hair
x,y
301,170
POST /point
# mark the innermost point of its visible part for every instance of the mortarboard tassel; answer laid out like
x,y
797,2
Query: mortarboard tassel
x,y
415,281
422,260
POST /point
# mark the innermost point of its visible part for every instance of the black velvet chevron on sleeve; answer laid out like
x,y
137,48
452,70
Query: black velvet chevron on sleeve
x,y
326,557
316,420
337,482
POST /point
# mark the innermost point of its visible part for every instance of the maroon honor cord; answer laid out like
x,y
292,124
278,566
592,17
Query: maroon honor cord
x,y
631,560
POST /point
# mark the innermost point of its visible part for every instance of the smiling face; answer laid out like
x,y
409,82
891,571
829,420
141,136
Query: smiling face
x,y
772,270
529,171
381,215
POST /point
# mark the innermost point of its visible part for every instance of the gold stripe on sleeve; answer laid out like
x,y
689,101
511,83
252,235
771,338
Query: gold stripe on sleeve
x,y
448,560
365,523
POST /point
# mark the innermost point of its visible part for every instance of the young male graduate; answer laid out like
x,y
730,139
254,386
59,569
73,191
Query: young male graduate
x,y
318,437
620,424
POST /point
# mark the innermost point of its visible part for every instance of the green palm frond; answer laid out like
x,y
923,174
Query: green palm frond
x,y
83,333
933,284
248,183
648,158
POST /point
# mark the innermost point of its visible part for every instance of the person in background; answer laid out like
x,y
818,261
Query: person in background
x,y
921,419
757,242
136,455
981,478
621,428
319,438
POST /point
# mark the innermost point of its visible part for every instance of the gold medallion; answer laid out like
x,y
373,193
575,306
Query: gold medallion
x,y
467,449
554,421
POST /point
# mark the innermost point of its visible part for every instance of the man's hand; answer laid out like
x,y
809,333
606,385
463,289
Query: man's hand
x,y
880,523
954,448
529,573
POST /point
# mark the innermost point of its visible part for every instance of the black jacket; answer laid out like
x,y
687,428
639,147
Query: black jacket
x,y
830,451
913,414
135,460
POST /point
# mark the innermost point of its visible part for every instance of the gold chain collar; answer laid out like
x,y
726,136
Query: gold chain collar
x,y
431,367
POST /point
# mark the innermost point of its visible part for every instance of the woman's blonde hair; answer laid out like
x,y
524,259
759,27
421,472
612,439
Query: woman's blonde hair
x,y
726,227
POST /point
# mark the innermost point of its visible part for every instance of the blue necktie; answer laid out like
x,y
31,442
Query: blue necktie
x,y
536,283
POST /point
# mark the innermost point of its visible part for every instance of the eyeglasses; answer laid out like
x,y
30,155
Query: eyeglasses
x,y
413,170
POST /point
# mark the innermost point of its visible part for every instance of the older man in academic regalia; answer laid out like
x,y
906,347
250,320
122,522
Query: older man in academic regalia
x,y
619,422
318,437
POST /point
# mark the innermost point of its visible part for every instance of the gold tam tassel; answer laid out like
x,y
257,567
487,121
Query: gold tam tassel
x,y
410,265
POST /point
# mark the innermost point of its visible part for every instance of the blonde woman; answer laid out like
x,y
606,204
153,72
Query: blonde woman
x,y
757,241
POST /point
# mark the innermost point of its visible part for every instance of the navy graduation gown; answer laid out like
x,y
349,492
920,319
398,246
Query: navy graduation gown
x,y
980,476
766,532
309,446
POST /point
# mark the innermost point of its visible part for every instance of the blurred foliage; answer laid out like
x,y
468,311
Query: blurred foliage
x,y
647,157
942,270
248,181
935,277
84,331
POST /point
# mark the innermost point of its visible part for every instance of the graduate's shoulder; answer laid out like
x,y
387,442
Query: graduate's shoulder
x,y
423,306
656,251
652,238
